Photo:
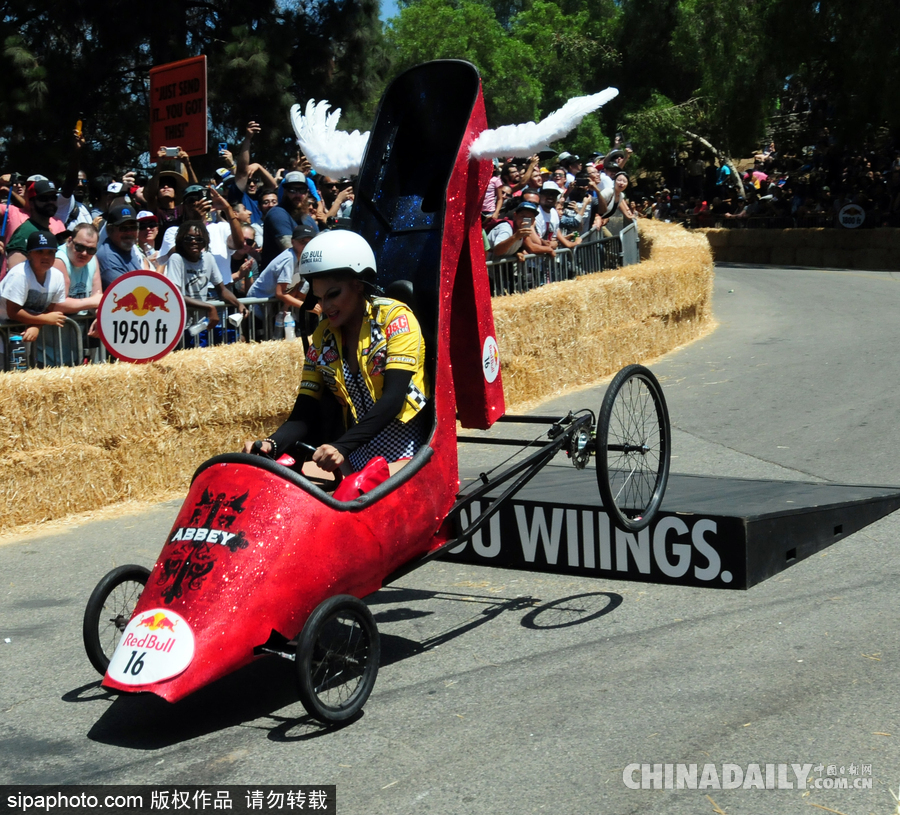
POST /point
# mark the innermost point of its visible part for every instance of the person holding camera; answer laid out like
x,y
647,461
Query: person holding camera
x,y
508,237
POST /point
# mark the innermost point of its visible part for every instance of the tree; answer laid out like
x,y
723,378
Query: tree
x,y
469,30
75,61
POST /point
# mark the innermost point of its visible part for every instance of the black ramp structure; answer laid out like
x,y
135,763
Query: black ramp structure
x,y
725,533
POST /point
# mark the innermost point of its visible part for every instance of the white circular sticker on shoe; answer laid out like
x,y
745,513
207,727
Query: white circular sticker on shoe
x,y
157,644
490,359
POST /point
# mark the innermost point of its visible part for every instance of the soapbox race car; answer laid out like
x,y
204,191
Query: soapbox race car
x,y
263,560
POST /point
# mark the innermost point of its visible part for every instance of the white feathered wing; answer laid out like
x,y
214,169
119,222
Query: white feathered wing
x,y
532,137
332,152
337,153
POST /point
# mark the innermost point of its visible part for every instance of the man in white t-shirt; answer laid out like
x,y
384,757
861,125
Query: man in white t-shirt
x,y
32,292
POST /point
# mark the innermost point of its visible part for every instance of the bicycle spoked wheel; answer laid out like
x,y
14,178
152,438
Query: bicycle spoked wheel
x,y
633,448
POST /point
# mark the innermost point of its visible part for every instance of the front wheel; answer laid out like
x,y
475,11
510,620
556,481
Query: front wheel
x,y
337,659
633,446
110,607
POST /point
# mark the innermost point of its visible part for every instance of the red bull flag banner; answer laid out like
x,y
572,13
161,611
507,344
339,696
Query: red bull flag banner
x,y
141,317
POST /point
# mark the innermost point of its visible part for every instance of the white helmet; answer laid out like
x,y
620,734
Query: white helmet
x,y
338,250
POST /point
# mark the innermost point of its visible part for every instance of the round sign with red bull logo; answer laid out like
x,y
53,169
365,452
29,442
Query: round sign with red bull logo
x,y
141,317
157,644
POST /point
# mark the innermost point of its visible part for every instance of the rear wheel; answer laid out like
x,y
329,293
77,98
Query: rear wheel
x,y
633,447
337,659
108,611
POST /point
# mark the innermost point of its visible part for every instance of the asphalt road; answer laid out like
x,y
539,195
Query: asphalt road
x,y
510,692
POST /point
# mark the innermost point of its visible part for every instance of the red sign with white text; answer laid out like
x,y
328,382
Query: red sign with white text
x,y
178,106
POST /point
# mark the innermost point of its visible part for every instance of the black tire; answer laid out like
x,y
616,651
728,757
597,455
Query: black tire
x,y
108,611
633,447
337,659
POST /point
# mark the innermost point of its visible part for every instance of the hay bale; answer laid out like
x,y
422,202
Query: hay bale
x,y
588,328
91,403
41,485
231,383
716,237
810,256
783,256
164,461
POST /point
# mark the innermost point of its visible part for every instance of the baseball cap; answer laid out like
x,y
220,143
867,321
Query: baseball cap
x,y
115,188
527,205
36,188
42,239
145,217
38,177
550,186
193,189
120,215
303,231
224,173
293,177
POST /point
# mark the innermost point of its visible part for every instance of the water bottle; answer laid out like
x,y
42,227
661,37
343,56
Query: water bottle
x,y
17,353
289,326
197,327
279,325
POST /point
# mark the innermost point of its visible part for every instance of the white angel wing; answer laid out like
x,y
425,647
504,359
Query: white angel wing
x,y
332,152
531,137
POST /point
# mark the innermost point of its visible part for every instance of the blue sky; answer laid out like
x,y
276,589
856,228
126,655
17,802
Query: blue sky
x,y
388,9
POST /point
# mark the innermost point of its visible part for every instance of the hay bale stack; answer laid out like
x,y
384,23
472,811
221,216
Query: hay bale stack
x,y
93,404
45,484
77,439
575,332
231,383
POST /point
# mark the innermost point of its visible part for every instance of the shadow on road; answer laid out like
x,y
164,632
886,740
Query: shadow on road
x,y
144,721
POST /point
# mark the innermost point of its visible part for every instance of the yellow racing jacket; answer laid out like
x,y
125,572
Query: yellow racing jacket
x,y
393,341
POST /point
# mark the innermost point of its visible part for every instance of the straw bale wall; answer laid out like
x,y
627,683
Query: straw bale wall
x,y
573,333
874,249
78,439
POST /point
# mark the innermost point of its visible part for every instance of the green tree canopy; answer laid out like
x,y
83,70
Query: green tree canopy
x,y
69,61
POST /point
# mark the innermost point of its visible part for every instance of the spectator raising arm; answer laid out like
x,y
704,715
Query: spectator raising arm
x,y
242,173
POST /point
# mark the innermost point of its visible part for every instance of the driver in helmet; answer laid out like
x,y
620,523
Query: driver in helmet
x,y
368,352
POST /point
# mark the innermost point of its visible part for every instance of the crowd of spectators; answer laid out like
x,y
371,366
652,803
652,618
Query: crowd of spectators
x,y
236,233
803,189
62,243
536,208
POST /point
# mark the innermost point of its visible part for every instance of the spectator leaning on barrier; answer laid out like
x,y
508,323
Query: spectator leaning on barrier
x,y
77,261
118,253
281,278
33,291
282,219
508,237
193,271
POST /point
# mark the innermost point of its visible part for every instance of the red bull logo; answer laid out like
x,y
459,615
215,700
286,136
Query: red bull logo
x,y
141,301
157,622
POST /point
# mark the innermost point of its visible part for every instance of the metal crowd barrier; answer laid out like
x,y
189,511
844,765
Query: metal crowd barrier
x,y
509,275
69,345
